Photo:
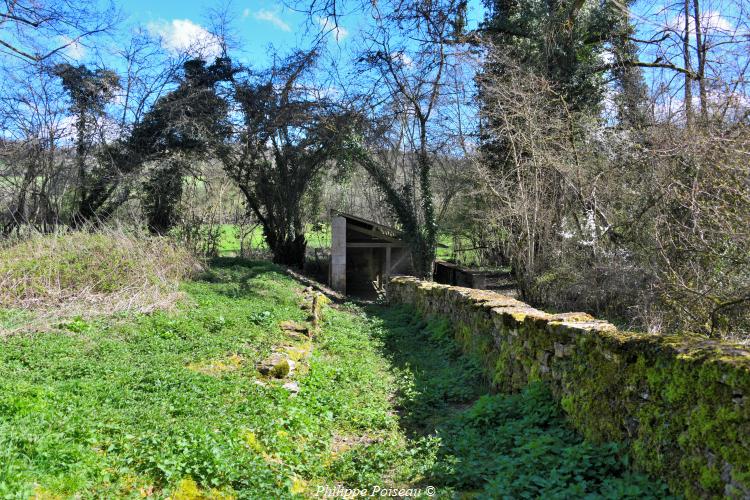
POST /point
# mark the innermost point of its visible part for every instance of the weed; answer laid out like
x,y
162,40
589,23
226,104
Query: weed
x,y
495,446
80,273
167,405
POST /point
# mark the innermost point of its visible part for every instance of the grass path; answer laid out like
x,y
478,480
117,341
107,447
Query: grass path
x,y
171,405
480,445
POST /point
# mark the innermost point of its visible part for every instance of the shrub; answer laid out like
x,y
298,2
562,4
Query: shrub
x,y
79,272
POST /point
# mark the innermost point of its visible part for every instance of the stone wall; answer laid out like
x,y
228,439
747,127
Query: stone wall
x,y
681,403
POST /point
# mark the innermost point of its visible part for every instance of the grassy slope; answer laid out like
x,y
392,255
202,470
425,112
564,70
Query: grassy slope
x,y
82,271
109,410
166,404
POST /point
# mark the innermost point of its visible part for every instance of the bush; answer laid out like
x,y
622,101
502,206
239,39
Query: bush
x,y
107,271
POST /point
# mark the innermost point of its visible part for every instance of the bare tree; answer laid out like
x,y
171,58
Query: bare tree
x,y
36,30
34,176
101,146
646,225
703,42
403,74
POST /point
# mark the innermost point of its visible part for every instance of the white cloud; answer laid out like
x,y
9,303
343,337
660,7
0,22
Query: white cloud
x,y
271,17
733,104
405,59
74,50
66,128
329,92
607,57
711,22
610,103
184,36
339,32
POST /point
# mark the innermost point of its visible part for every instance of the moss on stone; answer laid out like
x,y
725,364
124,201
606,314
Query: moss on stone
x,y
682,403
280,369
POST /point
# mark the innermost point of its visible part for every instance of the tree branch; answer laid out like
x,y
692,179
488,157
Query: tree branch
x,y
641,64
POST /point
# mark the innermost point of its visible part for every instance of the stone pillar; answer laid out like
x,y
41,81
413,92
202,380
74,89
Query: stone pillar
x,y
338,254
387,273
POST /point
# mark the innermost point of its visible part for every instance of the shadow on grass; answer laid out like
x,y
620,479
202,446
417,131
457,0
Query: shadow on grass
x,y
237,275
492,445
437,379
247,267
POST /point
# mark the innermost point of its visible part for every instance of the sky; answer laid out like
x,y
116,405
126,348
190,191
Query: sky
x,y
258,24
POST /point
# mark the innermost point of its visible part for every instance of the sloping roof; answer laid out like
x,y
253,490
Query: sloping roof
x,y
387,232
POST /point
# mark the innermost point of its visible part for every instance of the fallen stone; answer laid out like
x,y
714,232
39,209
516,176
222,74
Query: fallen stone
x,y
293,326
276,366
298,353
298,336
292,387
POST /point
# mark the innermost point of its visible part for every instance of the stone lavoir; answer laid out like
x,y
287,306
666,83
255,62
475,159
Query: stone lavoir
x,y
681,403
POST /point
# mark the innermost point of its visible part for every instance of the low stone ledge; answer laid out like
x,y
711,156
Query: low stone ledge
x,y
681,403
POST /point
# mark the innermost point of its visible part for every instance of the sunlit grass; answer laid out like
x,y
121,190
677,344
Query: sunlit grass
x,y
318,236
171,405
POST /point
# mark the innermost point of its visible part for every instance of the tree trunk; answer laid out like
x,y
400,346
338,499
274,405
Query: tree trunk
x,y
162,193
81,152
289,251
428,241
423,257
686,60
18,212
700,49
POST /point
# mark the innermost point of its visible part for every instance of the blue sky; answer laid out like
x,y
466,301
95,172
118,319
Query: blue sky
x,y
258,23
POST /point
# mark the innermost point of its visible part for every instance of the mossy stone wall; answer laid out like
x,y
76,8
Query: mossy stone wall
x,y
682,403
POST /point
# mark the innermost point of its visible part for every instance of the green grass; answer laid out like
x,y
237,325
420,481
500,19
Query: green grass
x,y
446,250
169,404
493,446
465,255
107,409
229,240
317,237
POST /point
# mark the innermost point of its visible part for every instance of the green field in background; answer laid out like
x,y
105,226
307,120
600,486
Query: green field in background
x,y
229,238
319,236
